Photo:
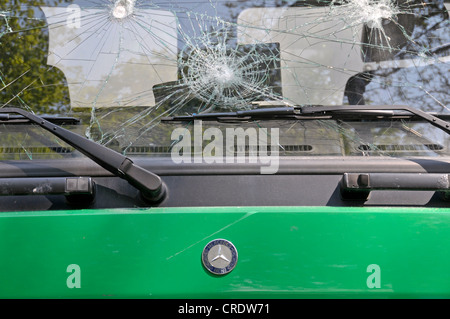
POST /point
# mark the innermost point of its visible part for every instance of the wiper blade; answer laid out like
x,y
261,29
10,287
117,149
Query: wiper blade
x,y
430,118
266,113
151,186
20,119
317,112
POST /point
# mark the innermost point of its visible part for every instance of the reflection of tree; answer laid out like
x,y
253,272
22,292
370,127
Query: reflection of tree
x,y
26,79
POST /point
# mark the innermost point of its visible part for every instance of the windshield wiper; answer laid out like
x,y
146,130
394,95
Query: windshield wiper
x,y
19,119
151,186
318,112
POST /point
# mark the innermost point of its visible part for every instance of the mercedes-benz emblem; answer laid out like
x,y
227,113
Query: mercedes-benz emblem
x,y
219,256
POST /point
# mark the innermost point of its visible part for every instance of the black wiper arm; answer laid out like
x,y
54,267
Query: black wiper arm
x,y
305,112
150,184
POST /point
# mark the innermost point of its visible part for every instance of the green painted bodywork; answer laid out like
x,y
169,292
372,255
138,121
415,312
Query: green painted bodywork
x,y
286,252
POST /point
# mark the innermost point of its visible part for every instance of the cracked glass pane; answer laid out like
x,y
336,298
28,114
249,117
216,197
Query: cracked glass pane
x,y
121,66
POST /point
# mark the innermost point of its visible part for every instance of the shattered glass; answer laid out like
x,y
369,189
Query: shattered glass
x,y
120,66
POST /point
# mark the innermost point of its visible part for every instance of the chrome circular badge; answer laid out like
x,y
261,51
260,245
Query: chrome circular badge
x,y
219,256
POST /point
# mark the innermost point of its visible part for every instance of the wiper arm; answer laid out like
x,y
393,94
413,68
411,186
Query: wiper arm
x,y
151,186
315,112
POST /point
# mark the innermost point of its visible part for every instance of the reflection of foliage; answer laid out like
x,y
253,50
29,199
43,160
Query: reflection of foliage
x,y
25,78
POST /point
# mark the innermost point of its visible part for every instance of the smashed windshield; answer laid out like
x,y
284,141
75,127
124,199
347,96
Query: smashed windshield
x,y
117,67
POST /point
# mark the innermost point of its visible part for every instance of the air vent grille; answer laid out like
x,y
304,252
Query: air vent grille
x,y
236,149
400,147
36,150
